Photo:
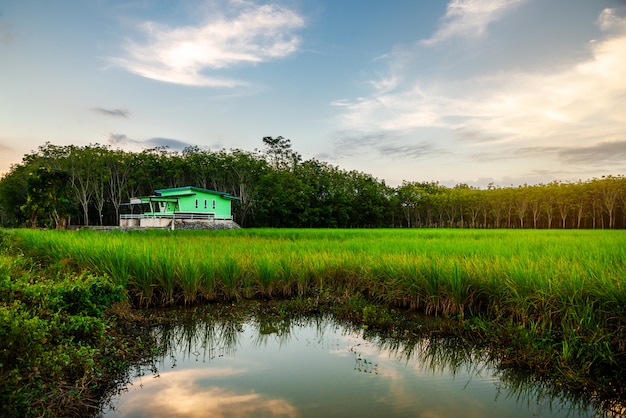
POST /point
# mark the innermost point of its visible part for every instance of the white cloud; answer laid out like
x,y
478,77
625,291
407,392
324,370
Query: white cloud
x,y
610,19
576,106
249,35
185,393
470,18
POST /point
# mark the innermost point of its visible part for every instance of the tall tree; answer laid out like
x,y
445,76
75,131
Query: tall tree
x,y
279,153
48,197
13,195
79,163
534,202
118,163
203,167
610,195
101,176
242,172
520,203
410,196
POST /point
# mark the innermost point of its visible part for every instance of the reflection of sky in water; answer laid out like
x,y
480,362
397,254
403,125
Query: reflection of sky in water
x,y
318,369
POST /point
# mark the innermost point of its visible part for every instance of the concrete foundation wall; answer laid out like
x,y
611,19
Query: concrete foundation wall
x,y
129,223
155,222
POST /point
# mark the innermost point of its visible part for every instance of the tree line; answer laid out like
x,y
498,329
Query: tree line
x,y
59,186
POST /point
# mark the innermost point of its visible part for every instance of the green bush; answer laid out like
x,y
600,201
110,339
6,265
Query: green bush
x,y
52,333
88,295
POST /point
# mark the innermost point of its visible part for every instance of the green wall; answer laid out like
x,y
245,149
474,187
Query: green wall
x,y
193,199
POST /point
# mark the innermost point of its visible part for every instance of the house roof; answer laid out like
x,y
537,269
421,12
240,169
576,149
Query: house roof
x,y
172,199
190,191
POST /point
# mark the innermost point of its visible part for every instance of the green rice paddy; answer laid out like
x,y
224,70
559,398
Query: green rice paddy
x,y
550,300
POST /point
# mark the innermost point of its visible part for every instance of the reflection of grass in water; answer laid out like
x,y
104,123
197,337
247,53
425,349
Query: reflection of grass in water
x,y
268,330
528,388
211,337
201,339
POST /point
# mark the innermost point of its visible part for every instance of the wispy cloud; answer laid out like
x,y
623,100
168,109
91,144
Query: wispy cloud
x,y
119,113
421,150
4,146
469,18
389,144
170,143
193,55
598,153
121,140
610,19
575,107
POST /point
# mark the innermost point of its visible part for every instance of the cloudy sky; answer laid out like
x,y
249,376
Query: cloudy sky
x,y
472,91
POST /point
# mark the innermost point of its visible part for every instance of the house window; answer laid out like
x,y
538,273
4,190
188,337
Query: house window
x,y
213,203
205,204
196,203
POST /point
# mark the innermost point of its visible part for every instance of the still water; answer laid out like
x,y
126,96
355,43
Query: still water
x,y
318,367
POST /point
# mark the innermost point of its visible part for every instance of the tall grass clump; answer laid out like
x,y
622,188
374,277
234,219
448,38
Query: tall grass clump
x,y
230,275
268,274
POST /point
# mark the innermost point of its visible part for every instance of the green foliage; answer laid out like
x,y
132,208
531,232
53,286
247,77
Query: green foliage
x,y
13,191
279,153
48,197
278,189
53,336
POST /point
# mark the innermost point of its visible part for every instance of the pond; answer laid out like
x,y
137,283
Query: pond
x,y
319,367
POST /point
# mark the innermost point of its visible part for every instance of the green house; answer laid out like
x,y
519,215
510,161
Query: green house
x,y
180,203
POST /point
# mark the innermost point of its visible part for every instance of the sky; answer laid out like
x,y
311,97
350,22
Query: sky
x,y
460,91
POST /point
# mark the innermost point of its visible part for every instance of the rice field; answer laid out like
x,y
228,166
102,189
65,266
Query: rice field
x,y
560,293
443,272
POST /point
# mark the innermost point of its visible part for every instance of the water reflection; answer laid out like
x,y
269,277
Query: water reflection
x,y
186,393
319,367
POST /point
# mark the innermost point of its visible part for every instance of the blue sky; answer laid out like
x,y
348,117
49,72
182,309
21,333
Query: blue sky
x,y
458,91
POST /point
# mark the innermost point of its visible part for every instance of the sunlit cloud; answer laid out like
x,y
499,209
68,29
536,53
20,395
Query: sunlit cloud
x,y
469,18
184,393
579,106
611,20
193,55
